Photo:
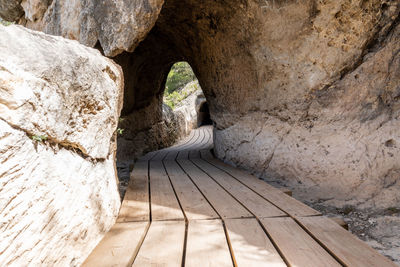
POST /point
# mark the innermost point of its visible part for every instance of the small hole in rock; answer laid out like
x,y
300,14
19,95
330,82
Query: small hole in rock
x,y
390,143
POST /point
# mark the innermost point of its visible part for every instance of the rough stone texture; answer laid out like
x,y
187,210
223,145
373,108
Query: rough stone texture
x,y
146,130
118,25
344,148
379,228
57,197
187,111
302,91
11,10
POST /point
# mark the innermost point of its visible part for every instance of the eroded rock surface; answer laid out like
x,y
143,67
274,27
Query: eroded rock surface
x,y
301,91
59,108
117,25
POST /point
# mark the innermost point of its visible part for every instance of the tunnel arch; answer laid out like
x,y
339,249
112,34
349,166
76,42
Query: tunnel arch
x,y
207,37
266,68
203,115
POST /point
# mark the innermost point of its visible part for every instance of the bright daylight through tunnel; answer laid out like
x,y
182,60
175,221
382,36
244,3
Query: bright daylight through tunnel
x,y
302,94
182,107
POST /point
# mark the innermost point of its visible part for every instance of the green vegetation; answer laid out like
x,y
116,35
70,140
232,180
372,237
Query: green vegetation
x,y
181,82
181,74
39,138
173,99
5,23
120,131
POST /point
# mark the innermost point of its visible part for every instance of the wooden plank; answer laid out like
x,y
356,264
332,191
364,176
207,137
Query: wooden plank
x,y
193,154
296,245
172,154
347,247
198,140
342,223
196,135
260,207
186,140
135,206
208,139
164,205
250,245
290,205
160,155
148,156
193,202
119,246
183,154
163,245
207,244
225,205
206,154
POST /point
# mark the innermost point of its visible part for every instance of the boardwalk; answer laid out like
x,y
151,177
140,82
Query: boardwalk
x,y
183,207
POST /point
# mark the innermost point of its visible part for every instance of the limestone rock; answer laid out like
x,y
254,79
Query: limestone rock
x,y
187,111
117,25
343,150
146,130
11,10
305,92
59,108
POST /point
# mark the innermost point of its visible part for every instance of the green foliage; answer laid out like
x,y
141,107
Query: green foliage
x,y
180,84
39,138
120,131
173,99
5,23
181,74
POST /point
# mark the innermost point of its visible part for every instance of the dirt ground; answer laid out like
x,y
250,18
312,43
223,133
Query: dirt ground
x,y
380,229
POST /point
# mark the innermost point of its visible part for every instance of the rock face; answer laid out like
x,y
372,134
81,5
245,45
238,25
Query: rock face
x,y
59,107
11,10
301,91
117,25
153,129
187,111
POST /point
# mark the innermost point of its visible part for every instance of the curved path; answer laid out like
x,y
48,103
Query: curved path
x,y
183,207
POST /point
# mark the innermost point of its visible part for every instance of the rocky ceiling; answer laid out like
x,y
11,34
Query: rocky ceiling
x,y
302,91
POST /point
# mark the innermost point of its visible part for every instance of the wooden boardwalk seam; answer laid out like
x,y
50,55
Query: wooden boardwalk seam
x,y
184,207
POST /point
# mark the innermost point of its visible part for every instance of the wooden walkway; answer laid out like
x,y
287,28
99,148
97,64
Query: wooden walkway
x,y
183,207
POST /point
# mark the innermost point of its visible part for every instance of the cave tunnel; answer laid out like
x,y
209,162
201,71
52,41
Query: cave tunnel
x,y
202,34
203,115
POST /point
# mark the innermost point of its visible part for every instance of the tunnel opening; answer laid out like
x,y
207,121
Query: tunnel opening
x,y
181,86
184,95
203,36
203,115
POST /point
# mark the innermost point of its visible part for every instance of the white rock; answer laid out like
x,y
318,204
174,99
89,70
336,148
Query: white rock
x,y
57,197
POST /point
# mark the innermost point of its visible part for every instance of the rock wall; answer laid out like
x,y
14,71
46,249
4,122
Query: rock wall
x,y
146,130
117,25
151,128
59,108
301,91
345,147
188,110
